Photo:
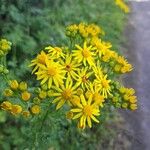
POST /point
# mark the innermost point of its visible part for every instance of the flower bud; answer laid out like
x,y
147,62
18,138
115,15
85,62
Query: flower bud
x,y
8,92
23,86
6,105
35,109
14,84
25,96
42,94
16,109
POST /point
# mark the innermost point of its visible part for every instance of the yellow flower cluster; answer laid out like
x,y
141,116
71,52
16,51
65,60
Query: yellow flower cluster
x,y
19,100
123,97
116,62
84,30
5,46
122,5
130,100
81,77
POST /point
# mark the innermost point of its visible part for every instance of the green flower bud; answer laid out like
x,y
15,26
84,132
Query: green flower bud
x,y
112,63
44,87
37,90
6,71
23,86
36,100
118,105
124,105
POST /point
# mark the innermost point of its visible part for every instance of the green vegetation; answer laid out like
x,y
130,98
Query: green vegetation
x,y
30,25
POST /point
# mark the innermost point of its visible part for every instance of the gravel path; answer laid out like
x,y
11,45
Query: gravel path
x,y
138,53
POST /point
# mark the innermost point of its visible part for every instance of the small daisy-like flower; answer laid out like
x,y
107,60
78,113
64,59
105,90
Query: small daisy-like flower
x,y
84,54
55,52
51,73
64,93
86,111
71,66
39,60
103,85
83,77
97,98
101,47
125,66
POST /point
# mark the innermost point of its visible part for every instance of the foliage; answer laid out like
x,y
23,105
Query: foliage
x,y
30,26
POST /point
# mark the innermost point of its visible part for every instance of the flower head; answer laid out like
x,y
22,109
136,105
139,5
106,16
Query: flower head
x,y
103,84
64,93
39,60
71,66
51,73
55,52
85,112
84,55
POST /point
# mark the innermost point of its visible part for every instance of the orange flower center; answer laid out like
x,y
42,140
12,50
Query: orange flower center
x,y
68,68
67,94
84,79
105,84
98,98
51,71
87,110
86,53
41,59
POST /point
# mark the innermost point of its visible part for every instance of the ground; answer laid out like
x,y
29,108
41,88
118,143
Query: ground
x,y
137,48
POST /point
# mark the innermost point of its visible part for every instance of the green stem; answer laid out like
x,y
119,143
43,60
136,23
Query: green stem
x,y
6,78
36,143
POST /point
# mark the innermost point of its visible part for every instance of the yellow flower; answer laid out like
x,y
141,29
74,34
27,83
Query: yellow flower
x,y
16,109
35,109
103,85
23,86
93,30
71,66
55,52
26,114
25,96
71,30
52,72
101,46
125,66
14,84
82,30
64,93
133,106
83,77
39,60
6,105
97,98
84,54
8,92
86,111
5,45
133,99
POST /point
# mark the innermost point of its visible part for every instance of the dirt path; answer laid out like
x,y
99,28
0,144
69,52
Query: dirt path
x,y
138,53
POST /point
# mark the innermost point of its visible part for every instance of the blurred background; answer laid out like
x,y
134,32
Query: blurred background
x,y
33,24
